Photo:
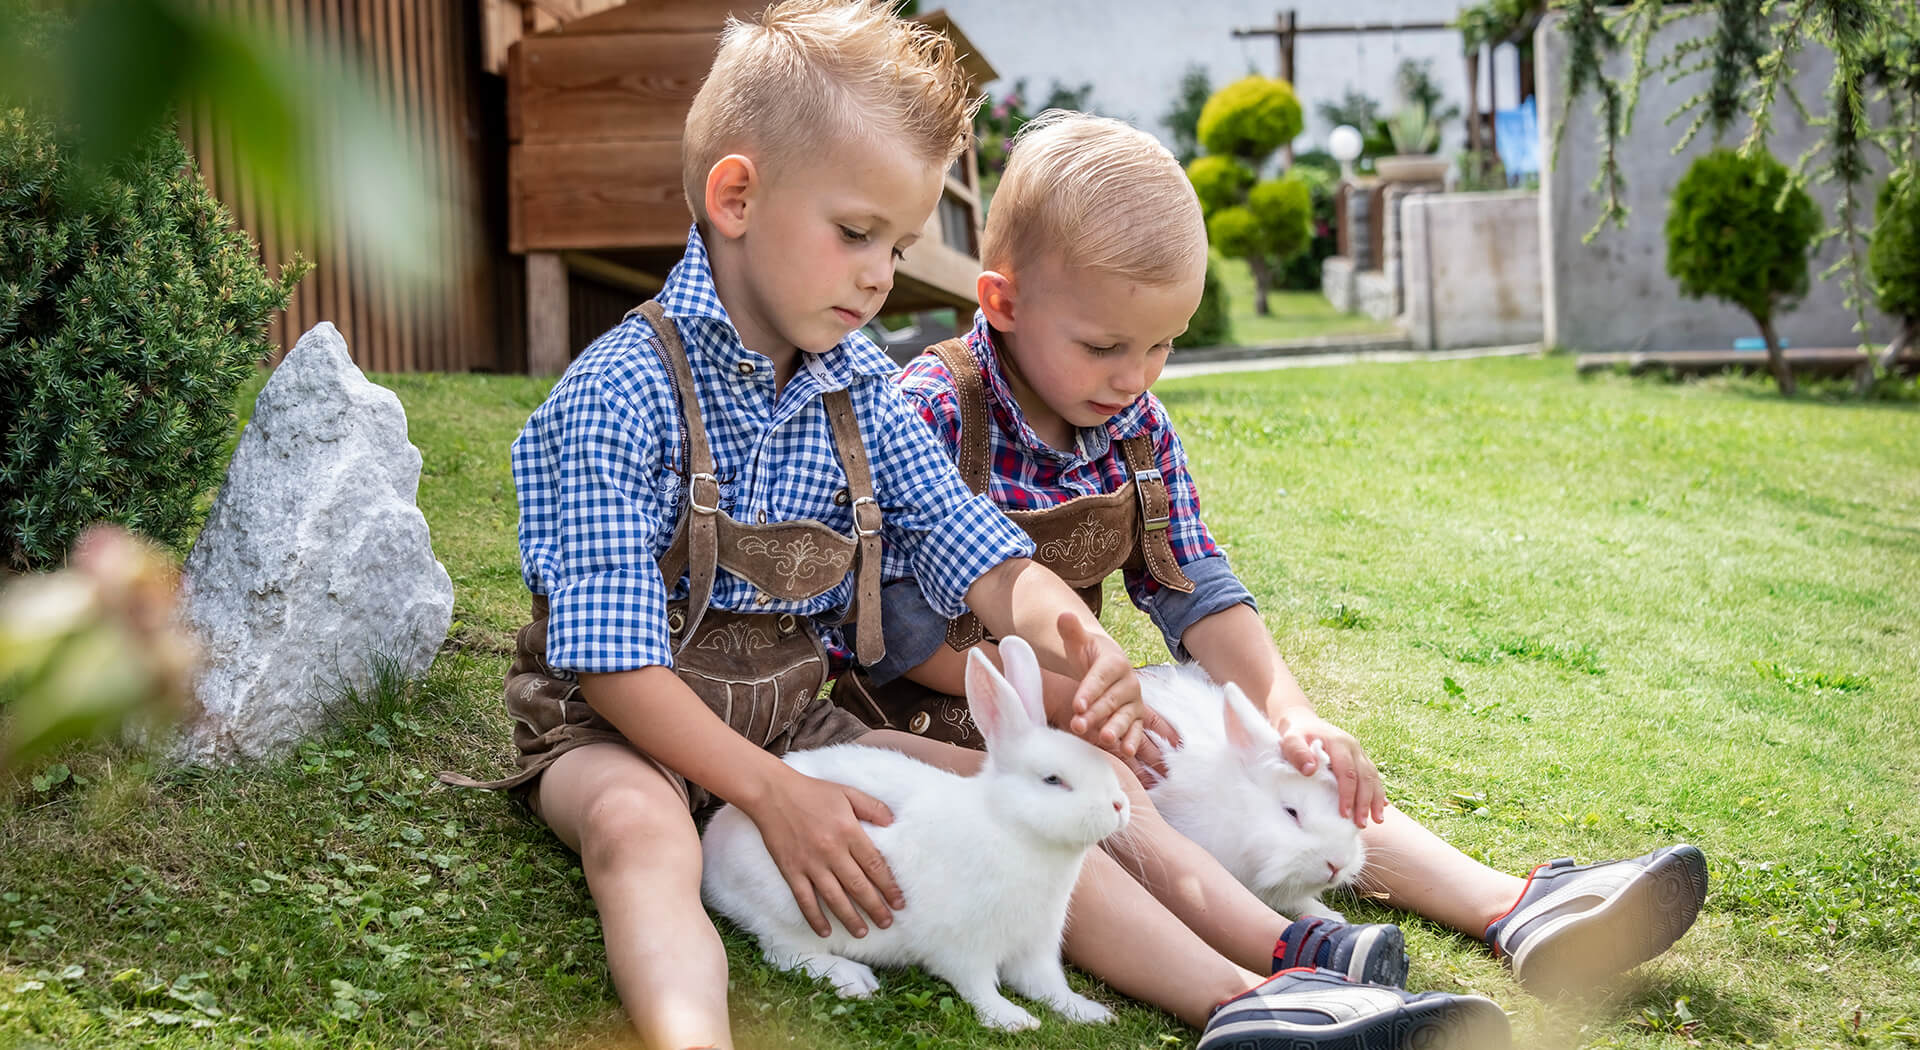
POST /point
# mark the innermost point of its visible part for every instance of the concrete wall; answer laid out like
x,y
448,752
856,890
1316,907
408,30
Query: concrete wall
x,y
1471,265
1614,293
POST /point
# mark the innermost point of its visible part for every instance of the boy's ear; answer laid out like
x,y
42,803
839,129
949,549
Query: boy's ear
x,y
997,293
731,184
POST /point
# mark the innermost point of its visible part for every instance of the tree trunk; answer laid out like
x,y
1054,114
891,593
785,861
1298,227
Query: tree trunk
x,y
1777,359
1863,376
1901,340
1262,280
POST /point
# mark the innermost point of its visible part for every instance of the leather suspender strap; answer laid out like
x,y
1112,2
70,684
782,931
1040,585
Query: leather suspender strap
x,y
971,392
1156,508
869,642
703,488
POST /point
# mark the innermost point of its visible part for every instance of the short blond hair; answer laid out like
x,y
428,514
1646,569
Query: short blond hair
x,y
808,75
1097,193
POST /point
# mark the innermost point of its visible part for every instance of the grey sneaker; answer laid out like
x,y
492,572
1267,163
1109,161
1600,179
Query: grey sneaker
x,y
1372,953
1322,1010
1575,927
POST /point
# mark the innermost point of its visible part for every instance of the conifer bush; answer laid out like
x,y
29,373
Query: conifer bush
x,y
131,308
1737,232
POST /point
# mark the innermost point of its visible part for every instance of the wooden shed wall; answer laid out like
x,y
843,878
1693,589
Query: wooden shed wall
x,y
423,58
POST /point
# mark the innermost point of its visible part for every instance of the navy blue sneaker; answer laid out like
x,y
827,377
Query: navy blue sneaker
x,y
1576,927
1322,1010
1373,953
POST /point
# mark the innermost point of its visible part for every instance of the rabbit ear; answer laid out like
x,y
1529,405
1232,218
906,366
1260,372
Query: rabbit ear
x,y
1247,732
1022,669
996,708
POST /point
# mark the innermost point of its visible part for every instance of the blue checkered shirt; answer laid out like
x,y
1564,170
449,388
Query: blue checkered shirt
x,y
599,472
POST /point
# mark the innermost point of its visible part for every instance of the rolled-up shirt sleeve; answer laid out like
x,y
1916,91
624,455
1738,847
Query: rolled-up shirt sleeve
x,y
935,531
1215,588
586,468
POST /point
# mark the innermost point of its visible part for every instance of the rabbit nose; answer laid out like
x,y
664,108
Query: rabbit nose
x,y
1119,805
1333,870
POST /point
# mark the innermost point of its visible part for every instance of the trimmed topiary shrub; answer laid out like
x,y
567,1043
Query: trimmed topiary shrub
x,y
1267,223
1284,208
1209,325
1731,235
1219,181
130,310
1250,118
1893,255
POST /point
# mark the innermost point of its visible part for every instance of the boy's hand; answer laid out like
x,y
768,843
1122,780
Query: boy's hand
x,y
812,831
1107,709
1361,793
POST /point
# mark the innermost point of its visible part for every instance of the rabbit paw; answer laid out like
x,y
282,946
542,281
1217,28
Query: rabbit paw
x,y
1311,907
1004,1015
1080,1009
851,979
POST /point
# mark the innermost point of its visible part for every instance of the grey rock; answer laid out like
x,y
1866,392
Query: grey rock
x,y
315,564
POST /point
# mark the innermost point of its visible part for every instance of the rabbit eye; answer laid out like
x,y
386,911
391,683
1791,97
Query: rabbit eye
x,y
1294,813
1054,781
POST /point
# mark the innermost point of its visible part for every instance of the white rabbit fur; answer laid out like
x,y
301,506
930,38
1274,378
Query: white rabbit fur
x,y
986,863
1229,789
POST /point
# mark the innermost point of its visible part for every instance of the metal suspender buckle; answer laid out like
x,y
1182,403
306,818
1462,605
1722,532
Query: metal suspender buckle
x,y
1149,522
866,509
693,493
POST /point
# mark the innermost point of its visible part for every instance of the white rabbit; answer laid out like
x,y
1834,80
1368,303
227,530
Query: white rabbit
x,y
1229,789
986,863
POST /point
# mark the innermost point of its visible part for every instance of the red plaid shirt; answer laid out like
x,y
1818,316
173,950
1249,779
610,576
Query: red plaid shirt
x,y
1028,474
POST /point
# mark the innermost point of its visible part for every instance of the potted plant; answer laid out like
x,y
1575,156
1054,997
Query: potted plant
x,y
1415,136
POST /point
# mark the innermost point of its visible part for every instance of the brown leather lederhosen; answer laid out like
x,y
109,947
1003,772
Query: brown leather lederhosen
x,y
1083,541
760,672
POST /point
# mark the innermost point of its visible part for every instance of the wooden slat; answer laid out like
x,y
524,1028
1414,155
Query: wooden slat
x,y
664,16
950,275
603,87
597,195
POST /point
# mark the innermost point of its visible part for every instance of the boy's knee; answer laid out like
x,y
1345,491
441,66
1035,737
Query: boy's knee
x,y
625,826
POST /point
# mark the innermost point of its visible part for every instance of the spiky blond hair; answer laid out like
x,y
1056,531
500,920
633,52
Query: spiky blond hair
x,y
809,75
1096,193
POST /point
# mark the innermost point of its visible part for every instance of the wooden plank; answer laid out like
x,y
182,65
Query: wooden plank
x,y
596,195
376,51
547,351
947,276
619,86
653,16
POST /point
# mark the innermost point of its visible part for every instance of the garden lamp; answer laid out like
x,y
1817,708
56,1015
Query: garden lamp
x,y
1345,145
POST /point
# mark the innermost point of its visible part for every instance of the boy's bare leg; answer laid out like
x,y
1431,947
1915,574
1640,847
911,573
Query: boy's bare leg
x,y
1190,883
1185,879
641,854
1118,932
1415,870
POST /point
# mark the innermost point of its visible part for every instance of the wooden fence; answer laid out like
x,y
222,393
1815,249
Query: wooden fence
x,y
423,63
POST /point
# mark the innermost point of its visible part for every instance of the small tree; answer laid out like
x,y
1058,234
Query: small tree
x,y
130,310
1265,222
1894,257
1739,233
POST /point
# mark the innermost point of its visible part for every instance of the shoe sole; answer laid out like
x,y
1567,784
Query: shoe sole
x,y
1642,919
1379,956
1458,1022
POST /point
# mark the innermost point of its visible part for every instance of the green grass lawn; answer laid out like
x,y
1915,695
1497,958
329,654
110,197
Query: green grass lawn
x,y
1294,315
1567,617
